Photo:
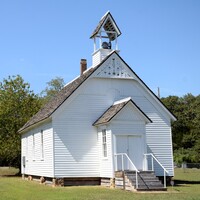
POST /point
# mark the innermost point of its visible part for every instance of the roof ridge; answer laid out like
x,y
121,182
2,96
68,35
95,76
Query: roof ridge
x,y
122,100
108,12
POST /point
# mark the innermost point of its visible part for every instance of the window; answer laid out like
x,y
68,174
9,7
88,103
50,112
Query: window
x,y
33,146
104,143
42,144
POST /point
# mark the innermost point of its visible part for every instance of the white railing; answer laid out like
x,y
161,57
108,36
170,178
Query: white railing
x,y
130,165
152,165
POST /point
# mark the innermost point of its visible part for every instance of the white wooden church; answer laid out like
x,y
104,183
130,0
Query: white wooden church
x,y
102,126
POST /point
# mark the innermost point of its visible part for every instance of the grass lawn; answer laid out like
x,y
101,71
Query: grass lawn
x,y
14,188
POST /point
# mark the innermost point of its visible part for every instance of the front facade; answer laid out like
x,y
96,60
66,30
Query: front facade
x,y
105,120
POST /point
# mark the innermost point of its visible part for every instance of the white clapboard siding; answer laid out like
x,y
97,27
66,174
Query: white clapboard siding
x,y
158,135
75,156
99,55
35,163
75,139
128,122
106,163
74,133
119,88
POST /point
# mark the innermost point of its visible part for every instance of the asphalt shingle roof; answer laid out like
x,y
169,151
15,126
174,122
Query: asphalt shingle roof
x,y
112,111
109,113
56,101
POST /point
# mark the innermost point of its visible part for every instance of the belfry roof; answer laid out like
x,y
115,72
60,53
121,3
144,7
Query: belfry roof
x,y
109,25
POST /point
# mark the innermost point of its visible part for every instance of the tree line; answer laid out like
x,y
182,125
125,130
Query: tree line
x,y
186,130
18,103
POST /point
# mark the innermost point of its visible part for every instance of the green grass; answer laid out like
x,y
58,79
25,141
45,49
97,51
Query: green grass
x,y
14,188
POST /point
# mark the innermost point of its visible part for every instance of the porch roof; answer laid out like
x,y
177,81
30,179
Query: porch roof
x,y
113,110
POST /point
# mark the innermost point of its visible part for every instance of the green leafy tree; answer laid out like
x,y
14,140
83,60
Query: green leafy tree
x,y
17,104
53,86
186,130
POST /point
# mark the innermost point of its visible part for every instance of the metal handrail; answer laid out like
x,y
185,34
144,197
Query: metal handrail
x,y
136,170
165,171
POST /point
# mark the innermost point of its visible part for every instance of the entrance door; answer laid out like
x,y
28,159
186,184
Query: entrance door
x,y
133,146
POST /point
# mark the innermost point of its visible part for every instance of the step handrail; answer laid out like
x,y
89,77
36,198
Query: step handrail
x,y
136,170
165,171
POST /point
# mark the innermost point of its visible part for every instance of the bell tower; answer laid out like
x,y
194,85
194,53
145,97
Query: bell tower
x,y
105,38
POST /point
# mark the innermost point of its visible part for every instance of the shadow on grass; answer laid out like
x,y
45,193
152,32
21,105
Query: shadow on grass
x,y
11,175
182,182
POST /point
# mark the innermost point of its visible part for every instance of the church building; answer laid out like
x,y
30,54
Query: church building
x,y
105,127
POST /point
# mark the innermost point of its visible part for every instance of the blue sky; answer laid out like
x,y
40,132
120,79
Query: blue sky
x,y
160,41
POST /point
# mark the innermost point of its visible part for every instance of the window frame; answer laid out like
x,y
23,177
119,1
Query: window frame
x,y
33,147
42,144
104,144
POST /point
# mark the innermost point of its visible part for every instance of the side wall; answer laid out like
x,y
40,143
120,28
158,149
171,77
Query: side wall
x,y
38,162
76,140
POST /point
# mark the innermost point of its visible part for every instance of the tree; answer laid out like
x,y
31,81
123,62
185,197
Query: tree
x,y
186,130
53,86
17,104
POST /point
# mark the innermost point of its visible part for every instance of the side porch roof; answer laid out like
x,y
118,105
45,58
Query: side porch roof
x,y
113,110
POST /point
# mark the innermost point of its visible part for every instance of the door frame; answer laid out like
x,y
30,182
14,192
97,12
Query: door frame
x,y
114,138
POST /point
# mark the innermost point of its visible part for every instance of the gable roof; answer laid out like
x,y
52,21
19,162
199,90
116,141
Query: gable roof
x,y
47,110
109,24
173,117
113,110
57,101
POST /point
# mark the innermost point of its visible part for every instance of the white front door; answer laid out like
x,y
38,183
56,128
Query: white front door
x,y
133,146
